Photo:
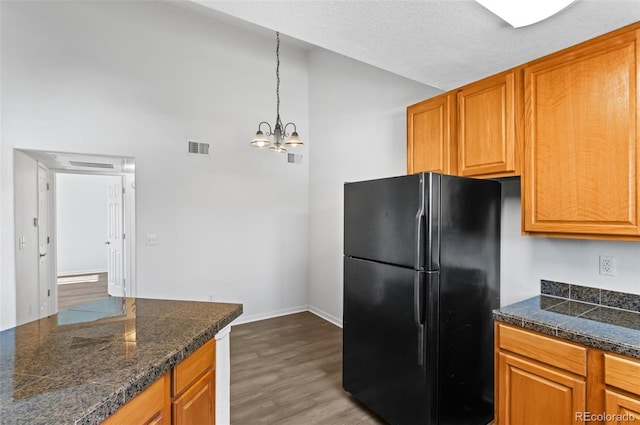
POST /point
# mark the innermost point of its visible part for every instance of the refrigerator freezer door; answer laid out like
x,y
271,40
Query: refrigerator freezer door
x,y
384,336
385,220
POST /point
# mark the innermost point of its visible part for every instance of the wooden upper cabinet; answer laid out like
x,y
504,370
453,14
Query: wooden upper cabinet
x,y
581,140
430,132
489,126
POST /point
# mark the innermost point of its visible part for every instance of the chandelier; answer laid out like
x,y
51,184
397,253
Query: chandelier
x,y
279,132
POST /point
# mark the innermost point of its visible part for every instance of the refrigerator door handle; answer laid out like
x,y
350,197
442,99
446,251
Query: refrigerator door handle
x,y
420,222
418,312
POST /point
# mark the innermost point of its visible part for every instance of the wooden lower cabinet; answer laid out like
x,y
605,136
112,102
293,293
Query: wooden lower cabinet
x,y
548,381
621,409
533,393
197,404
193,388
622,394
540,380
183,396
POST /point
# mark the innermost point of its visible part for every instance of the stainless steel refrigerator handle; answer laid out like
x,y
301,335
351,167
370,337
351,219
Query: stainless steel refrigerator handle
x,y
418,307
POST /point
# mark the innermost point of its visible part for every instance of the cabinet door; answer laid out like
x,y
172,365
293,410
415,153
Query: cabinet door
x,y
430,132
530,393
621,410
581,140
489,121
197,404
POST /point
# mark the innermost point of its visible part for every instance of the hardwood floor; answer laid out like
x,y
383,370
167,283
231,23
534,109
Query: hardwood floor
x,y
80,289
288,371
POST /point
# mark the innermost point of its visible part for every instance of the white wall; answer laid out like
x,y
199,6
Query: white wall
x,y
81,222
527,259
137,79
358,122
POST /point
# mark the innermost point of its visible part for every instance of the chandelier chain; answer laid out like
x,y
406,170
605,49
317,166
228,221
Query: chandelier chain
x,y
278,77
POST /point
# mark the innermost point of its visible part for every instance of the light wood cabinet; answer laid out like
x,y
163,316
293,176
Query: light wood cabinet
x,y
151,407
545,380
431,135
472,131
193,388
534,393
196,405
489,126
540,380
581,140
622,395
183,396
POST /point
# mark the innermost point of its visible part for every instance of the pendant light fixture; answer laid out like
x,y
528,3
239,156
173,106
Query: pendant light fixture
x,y
279,132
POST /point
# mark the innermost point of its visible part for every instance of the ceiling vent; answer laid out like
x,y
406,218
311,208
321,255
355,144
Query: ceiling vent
x,y
197,148
90,164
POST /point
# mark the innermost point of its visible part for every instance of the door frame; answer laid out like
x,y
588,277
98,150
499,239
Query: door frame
x,y
46,277
48,160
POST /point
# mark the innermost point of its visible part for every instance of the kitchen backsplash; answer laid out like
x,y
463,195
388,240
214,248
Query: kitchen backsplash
x,y
603,297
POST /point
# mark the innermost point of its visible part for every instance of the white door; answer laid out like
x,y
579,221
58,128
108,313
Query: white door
x,y
115,241
44,264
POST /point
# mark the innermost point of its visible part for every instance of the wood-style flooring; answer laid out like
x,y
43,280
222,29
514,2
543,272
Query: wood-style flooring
x,y
288,371
81,289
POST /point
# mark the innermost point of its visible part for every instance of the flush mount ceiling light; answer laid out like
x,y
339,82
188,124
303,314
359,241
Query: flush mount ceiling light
x,y
520,13
279,132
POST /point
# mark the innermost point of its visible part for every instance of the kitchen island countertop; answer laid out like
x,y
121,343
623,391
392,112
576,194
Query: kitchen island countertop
x,y
80,365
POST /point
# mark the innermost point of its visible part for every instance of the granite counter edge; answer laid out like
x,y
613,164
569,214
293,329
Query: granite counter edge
x,y
108,406
566,333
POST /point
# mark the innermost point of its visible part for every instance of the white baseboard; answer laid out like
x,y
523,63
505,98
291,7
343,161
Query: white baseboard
x,y
80,272
326,316
255,317
299,309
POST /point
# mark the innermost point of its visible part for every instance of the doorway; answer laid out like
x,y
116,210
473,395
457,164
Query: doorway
x,y
69,254
89,237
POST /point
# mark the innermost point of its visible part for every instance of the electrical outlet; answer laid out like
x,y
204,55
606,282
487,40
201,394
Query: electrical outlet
x,y
607,265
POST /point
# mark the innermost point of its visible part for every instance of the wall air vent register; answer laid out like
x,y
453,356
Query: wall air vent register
x,y
197,148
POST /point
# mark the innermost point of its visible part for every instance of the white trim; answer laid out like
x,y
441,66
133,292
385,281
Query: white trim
x,y
82,272
326,316
255,317
223,377
311,309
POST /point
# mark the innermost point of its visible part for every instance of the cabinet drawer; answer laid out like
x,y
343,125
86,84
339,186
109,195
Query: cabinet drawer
x,y
186,372
622,373
551,351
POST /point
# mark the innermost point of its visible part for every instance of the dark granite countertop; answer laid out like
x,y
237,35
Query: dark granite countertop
x,y
595,325
79,366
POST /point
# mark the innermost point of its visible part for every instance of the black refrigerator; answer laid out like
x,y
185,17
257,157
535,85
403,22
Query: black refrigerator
x,y
421,277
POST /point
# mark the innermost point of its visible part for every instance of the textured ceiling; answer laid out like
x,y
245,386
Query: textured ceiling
x,y
442,43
